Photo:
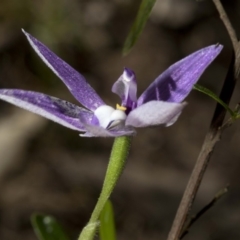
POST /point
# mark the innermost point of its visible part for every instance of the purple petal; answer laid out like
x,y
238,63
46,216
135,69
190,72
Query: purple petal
x,y
174,84
74,81
57,110
126,88
155,113
98,131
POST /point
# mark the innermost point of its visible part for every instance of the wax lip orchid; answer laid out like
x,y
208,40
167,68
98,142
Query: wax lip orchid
x,y
160,104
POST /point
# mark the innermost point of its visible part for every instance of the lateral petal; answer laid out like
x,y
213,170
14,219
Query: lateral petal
x,y
98,131
55,109
74,81
154,113
174,84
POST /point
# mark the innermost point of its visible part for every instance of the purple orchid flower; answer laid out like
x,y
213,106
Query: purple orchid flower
x,y
160,104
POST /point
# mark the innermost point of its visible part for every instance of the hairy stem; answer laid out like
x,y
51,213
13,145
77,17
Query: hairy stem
x,y
119,154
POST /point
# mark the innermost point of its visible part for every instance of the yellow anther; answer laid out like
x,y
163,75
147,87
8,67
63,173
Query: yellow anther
x,y
118,107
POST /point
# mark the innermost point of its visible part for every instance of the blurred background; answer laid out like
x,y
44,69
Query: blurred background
x,y
47,168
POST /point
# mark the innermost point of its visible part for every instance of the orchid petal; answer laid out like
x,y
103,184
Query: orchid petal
x,y
98,131
74,81
155,113
126,88
174,84
57,110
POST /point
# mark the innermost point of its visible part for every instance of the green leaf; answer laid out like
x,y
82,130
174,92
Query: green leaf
x,y
138,25
215,97
47,228
107,225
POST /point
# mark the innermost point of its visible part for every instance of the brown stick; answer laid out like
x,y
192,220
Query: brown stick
x,y
226,22
193,219
213,135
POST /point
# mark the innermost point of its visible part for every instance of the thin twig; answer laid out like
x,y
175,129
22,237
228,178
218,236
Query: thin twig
x,y
213,135
226,22
193,219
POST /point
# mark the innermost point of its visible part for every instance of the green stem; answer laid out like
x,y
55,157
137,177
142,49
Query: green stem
x,y
119,154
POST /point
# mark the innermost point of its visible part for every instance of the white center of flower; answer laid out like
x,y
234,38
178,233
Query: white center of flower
x,y
106,114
